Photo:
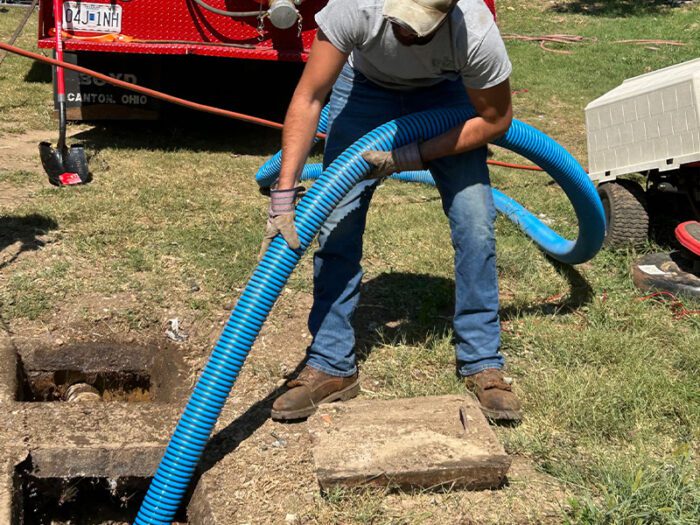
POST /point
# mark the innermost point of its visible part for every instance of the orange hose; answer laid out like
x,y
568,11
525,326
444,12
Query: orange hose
x,y
188,103
143,90
514,166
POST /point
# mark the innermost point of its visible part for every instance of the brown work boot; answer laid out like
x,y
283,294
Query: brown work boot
x,y
498,402
311,388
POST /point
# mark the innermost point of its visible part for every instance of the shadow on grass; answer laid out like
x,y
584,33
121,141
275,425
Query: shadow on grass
x,y
26,230
666,211
39,73
405,307
413,308
616,8
190,132
580,294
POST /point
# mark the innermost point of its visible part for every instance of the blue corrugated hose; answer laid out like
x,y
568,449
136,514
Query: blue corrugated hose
x,y
212,389
543,151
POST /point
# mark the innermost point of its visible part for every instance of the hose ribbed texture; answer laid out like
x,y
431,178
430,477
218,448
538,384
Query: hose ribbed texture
x,y
543,151
192,432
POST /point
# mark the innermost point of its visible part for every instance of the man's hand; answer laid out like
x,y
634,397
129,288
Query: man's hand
x,y
280,219
405,158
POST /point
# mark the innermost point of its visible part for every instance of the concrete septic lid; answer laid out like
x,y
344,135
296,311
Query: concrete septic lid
x,y
424,442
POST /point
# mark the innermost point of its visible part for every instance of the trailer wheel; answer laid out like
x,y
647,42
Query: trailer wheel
x,y
626,216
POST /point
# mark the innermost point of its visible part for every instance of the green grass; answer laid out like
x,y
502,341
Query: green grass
x,y
658,492
609,381
23,105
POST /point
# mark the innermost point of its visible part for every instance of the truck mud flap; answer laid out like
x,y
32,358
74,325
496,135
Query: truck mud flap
x,y
88,98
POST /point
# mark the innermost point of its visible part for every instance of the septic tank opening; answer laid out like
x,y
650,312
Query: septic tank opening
x,y
99,372
77,500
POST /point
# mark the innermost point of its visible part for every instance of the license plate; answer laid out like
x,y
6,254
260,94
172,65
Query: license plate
x,y
95,18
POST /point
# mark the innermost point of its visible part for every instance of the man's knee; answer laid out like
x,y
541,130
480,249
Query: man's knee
x,y
346,223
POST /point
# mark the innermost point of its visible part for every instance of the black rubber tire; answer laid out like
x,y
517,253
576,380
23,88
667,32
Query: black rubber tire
x,y
626,214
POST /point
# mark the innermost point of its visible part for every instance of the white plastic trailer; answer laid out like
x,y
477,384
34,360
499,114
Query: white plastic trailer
x,y
648,125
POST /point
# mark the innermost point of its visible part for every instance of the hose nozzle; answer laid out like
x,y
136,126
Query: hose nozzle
x,y
283,13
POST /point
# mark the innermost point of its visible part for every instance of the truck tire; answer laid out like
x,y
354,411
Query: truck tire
x,y
626,214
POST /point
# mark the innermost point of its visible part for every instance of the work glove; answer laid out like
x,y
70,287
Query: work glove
x,y
280,218
405,158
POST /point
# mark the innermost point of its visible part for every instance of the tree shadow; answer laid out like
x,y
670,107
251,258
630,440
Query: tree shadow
x,y
26,230
616,8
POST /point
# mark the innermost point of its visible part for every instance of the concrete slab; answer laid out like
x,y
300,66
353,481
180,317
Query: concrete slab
x,y
6,490
157,369
92,357
105,439
8,369
424,442
97,439
200,509
13,434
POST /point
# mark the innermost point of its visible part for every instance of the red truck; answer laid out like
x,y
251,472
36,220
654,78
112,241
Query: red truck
x,y
191,47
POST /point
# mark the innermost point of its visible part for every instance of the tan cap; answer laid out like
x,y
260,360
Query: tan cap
x,y
422,16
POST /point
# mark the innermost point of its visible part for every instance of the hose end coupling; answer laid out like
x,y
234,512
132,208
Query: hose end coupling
x,y
283,13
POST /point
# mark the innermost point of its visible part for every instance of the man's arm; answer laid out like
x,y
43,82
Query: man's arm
x,y
322,68
494,116
321,71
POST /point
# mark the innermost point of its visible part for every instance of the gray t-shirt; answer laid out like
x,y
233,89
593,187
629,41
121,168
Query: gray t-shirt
x,y
467,45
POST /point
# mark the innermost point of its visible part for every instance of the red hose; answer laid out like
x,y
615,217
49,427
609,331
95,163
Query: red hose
x,y
187,103
143,90
513,166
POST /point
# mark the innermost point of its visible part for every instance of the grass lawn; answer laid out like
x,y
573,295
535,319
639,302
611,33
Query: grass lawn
x,y
173,221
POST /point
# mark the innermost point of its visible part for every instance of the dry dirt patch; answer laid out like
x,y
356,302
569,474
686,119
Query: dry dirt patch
x,y
20,152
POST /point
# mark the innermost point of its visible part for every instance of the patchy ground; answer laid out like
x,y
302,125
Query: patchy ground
x,y
19,154
251,459
169,229
259,471
255,470
268,466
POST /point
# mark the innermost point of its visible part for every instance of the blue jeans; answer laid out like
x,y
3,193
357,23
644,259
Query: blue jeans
x,y
357,107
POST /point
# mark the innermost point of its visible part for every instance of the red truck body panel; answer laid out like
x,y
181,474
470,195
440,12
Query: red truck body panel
x,y
146,41
182,27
